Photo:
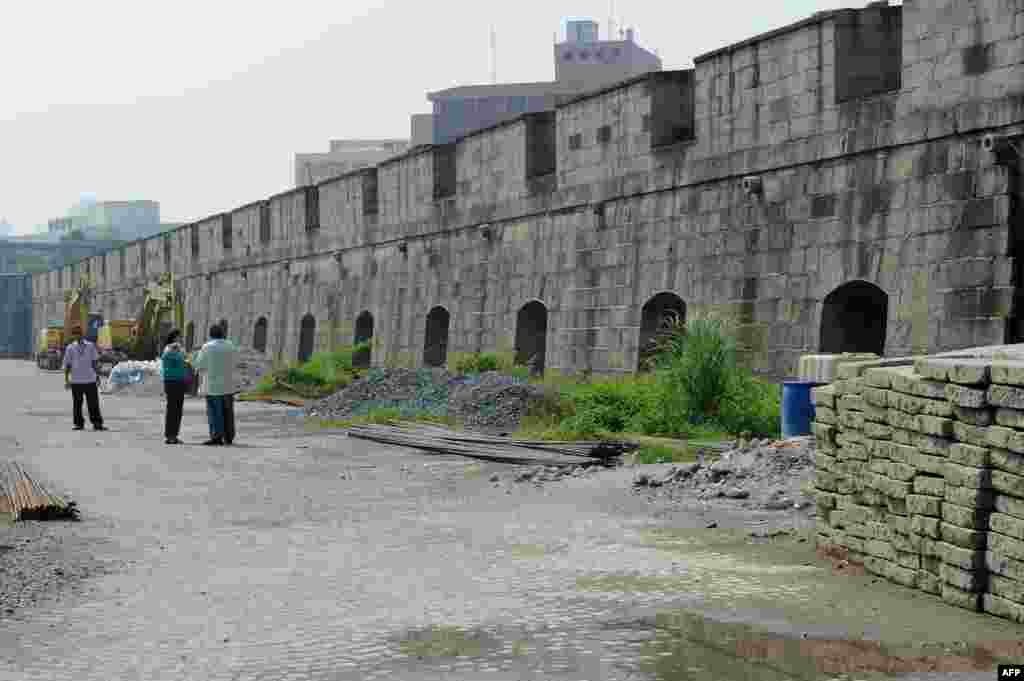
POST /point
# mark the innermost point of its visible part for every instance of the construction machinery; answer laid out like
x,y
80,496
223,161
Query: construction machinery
x,y
162,310
53,338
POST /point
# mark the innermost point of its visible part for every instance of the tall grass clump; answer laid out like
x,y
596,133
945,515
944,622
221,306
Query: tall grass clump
x,y
324,373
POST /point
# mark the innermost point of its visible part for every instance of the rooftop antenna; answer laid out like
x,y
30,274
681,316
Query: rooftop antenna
x,y
494,56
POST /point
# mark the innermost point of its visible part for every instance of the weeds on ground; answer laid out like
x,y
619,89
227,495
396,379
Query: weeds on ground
x,y
324,374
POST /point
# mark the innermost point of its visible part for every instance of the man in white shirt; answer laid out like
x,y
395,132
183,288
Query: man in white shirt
x,y
218,358
80,361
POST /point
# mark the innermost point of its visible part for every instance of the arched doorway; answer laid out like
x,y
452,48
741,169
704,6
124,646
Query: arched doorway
x,y
259,336
364,334
659,316
306,338
531,336
190,336
223,324
435,346
853,319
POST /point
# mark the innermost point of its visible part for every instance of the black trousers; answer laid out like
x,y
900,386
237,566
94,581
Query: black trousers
x,y
90,392
175,392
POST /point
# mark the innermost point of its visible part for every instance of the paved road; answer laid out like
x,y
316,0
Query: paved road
x,y
299,555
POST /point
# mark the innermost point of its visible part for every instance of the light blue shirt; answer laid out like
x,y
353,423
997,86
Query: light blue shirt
x,y
79,358
218,358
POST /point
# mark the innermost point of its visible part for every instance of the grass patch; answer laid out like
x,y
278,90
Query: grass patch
x,y
441,641
324,374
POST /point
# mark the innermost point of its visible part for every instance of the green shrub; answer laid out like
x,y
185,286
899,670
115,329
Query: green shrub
x,y
478,363
695,363
610,405
751,405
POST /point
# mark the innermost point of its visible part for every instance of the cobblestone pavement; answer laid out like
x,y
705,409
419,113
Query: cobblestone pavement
x,y
299,555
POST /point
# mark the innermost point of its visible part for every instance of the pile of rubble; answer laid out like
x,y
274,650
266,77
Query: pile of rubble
x,y
767,474
490,400
251,367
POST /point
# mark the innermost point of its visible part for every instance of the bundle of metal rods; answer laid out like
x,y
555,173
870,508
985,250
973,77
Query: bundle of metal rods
x,y
22,496
493,448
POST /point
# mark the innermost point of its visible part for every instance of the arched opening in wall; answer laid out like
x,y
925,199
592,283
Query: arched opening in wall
x,y
259,336
853,319
306,333
223,324
364,334
531,336
658,317
435,347
190,336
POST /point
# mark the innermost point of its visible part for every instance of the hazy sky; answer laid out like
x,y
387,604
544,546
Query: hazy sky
x,y
202,105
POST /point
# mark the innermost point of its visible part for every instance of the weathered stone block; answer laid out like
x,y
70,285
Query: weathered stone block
x,y
1008,372
960,536
894,470
850,402
973,435
882,549
852,452
824,396
910,543
930,485
921,423
877,431
969,455
1010,589
825,434
965,371
963,558
975,417
1008,461
890,570
896,505
826,481
878,397
926,443
925,526
888,486
876,378
1006,438
1008,483
1006,396
967,476
824,461
962,599
851,419
912,404
1011,418
848,436
909,382
969,496
1007,524
965,516
876,414
1001,607
1008,505
965,397
973,581
1004,545
929,583
1004,565
922,505
844,387
928,463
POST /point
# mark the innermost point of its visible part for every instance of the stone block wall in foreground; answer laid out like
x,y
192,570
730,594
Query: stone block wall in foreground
x,y
920,473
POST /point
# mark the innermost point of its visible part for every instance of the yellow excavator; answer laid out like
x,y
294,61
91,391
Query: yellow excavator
x,y
54,338
162,311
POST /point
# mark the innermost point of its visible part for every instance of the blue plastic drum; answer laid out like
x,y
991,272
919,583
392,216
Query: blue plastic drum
x,y
797,408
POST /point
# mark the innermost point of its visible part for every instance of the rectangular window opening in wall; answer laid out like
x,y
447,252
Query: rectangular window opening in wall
x,y
143,252
868,52
646,125
604,134
312,208
103,266
370,192
444,171
575,141
672,111
123,263
541,152
265,222
225,231
194,235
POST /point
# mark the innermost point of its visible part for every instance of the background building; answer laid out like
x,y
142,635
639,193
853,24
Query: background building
x,y
110,220
582,63
344,157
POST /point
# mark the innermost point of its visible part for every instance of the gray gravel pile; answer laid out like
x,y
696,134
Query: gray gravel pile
x,y
772,475
483,401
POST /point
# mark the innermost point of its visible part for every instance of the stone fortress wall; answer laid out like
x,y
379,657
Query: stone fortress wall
x,y
824,185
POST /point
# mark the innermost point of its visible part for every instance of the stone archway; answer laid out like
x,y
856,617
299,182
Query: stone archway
x,y
659,316
364,334
223,324
531,336
306,337
854,318
259,336
435,345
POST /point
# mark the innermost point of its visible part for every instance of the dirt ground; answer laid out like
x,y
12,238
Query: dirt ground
x,y
309,555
